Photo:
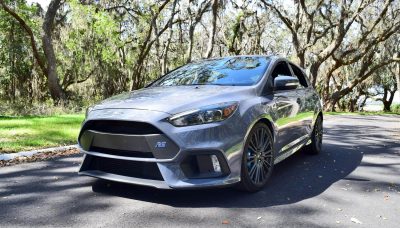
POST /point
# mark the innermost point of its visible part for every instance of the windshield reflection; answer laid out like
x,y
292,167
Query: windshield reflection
x,y
241,71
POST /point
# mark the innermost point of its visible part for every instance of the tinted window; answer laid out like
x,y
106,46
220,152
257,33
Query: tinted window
x,y
281,69
300,75
226,71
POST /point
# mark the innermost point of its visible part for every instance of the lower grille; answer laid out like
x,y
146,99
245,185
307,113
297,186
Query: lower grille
x,y
143,170
125,153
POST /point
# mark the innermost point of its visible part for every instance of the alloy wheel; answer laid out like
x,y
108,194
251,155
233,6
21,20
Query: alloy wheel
x,y
259,156
318,134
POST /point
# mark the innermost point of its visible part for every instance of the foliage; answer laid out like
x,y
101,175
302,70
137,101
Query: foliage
x,y
106,47
395,108
20,108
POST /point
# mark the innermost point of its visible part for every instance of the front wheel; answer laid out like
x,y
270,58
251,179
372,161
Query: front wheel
x,y
258,159
316,138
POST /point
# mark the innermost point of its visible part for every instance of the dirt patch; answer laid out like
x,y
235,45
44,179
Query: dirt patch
x,y
39,157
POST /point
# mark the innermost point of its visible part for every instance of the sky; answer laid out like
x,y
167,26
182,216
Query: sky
x,y
43,3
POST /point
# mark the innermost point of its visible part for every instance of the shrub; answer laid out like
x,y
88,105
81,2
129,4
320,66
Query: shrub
x,y
395,108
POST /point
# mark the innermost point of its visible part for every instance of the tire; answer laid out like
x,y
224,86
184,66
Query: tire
x,y
315,146
257,159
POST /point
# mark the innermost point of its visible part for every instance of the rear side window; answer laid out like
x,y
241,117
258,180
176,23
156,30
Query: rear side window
x,y
300,75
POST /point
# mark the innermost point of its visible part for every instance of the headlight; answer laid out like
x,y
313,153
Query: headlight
x,y
207,114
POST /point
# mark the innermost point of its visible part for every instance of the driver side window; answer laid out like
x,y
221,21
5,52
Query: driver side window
x,y
300,75
282,78
281,68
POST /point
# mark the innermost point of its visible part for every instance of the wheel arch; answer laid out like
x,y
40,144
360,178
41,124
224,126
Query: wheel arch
x,y
320,114
270,125
265,120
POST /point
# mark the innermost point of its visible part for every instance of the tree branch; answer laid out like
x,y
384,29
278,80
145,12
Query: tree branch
x,y
28,30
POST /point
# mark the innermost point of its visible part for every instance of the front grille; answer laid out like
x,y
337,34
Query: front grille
x,y
125,153
121,127
126,138
143,170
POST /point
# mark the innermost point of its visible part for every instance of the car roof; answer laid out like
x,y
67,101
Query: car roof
x,y
272,57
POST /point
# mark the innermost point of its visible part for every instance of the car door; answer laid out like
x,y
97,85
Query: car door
x,y
285,110
307,100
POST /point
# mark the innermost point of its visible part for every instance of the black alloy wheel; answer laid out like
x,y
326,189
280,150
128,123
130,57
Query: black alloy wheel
x,y
258,158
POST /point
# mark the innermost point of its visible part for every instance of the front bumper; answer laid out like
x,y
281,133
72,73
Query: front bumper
x,y
164,156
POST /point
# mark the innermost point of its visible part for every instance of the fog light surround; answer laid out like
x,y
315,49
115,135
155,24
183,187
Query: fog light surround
x,y
200,164
215,162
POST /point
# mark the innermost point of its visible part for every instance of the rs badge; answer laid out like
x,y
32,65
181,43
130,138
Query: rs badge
x,y
161,144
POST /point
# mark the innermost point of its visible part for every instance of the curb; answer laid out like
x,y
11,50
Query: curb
x,y
6,157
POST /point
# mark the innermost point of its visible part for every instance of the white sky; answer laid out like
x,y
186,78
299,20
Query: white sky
x,y
43,3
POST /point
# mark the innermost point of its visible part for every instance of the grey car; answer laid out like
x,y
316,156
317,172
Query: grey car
x,y
215,122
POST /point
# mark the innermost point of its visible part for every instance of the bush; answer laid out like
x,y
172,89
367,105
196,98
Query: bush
x,y
395,108
37,109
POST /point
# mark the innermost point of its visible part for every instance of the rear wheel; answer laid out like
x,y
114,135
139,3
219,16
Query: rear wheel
x,y
258,159
316,138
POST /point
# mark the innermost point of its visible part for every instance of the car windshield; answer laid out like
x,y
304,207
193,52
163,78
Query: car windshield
x,y
240,71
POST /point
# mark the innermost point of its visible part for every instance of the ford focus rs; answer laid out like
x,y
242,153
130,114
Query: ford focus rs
x,y
214,122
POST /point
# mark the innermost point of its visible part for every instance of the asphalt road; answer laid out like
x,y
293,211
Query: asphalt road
x,y
357,177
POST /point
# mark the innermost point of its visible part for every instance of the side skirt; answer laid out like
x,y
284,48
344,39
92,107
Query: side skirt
x,y
291,148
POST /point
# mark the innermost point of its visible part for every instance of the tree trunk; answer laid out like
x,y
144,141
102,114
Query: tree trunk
x,y
53,82
398,79
213,29
190,45
50,72
386,106
313,74
387,99
164,66
352,104
144,48
329,105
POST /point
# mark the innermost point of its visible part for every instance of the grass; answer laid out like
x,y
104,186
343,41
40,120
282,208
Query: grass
x,y
28,133
36,132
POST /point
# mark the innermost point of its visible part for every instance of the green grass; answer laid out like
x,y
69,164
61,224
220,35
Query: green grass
x,y
35,132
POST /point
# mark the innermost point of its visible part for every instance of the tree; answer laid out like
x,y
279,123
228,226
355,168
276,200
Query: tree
x,y
91,50
49,68
321,38
194,19
210,46
147,43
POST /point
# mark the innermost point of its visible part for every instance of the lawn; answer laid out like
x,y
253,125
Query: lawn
x,y
27,133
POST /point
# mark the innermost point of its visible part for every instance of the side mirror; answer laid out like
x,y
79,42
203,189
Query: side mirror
x,y
284,82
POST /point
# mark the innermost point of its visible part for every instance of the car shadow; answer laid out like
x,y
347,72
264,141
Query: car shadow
x,y
54,187
299,177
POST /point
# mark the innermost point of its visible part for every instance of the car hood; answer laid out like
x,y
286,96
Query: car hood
x,y
174,99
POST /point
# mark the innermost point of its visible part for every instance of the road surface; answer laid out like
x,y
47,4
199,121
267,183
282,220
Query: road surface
x,y
355,182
